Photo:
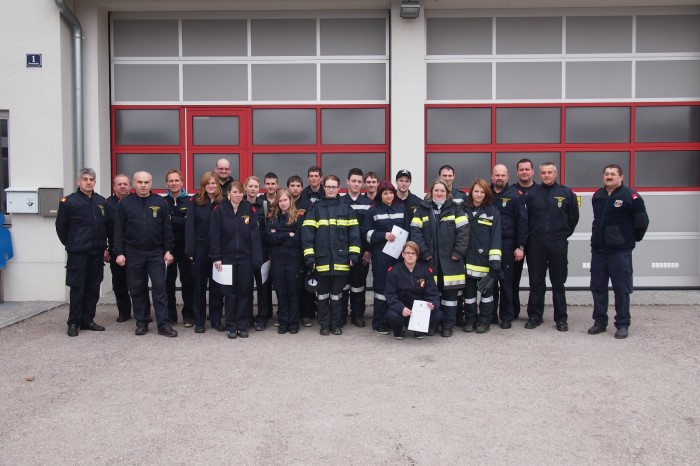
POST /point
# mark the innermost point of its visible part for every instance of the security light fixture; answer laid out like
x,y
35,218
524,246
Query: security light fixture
x,y
410,9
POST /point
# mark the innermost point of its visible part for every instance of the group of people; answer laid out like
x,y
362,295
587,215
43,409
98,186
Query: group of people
x,y
461,253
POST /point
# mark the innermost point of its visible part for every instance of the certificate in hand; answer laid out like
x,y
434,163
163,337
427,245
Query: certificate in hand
x,y
225,277
420,317
393,248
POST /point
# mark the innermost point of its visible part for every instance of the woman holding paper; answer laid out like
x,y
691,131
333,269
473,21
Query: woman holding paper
x,y
283,233
235,242
378,225
406,282
197,248
440,228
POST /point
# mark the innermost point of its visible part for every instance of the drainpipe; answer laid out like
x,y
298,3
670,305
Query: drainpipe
x,y
78,130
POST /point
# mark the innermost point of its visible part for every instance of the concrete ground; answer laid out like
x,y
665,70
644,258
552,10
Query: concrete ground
x,y
506,397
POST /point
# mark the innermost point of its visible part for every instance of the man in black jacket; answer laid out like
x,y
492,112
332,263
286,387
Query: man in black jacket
x,y
143,240
620,220
121,186
81,225
552,217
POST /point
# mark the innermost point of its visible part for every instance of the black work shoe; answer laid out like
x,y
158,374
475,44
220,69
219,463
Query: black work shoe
x,y
533,323
243,333
232,335
494,319
325,331
92,326
469,327
141,330
382,331
482,327
562,326
418,335
199,329
622,333
73,330
293,330
219,327
337,331
596,329
282,329
167,332
123,318
505,324
446,332
358,322
306,322
188,322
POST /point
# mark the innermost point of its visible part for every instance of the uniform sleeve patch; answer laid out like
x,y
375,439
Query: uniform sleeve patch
x,y
63,199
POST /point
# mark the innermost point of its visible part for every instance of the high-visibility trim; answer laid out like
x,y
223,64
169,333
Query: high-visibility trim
x,y
460,293
448,218
469,300
346,287
324,296
341,267
418,222
357,289
477,268
323,268
369,236
355,249
452,280
471,273
488,299
309,223
308,251
388,216
485,222
444,302
324,222
360,206
380,297
336,297
495,252
346,223
461,221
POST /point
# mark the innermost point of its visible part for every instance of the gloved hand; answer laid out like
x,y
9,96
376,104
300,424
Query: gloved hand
x,y
485,285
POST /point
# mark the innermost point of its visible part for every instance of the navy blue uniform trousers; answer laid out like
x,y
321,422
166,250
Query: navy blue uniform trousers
x,y
140,266
84,273
618,268
543,256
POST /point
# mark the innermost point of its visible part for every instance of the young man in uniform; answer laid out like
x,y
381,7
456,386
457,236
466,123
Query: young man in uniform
x,y
308,306
404,196
525,183
313,192
371,184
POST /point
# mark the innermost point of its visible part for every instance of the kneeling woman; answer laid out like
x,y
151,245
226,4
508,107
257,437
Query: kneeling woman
x,y
283,231
235,240
405,282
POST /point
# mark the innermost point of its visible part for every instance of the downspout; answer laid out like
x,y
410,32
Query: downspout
x,y
78,129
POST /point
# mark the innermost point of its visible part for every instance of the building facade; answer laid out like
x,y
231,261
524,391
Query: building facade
x,y
279,86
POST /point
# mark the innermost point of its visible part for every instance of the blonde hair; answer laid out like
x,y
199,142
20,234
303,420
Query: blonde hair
x,y
202,196
292,212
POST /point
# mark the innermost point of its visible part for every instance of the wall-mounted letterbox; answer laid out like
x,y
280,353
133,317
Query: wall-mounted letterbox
x,y
22,200
48,201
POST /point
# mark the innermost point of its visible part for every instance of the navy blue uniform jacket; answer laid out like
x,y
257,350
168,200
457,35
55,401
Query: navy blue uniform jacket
x,y
81,223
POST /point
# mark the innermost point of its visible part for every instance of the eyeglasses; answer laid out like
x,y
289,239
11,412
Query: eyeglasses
x,y
409,253
223,169
331,187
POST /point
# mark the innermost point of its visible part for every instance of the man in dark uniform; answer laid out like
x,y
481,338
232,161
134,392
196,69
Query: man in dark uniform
x,y
223,173
143,239
178,201
354,291
308,305
81,225
313,192
404,196
526,171
552,217
264,289
514,230
620,220
121,186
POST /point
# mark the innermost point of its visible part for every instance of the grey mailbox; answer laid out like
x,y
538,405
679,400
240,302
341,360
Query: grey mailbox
x,y
48,201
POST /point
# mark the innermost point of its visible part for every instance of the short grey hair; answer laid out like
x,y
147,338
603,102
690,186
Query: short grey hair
x,y
86,171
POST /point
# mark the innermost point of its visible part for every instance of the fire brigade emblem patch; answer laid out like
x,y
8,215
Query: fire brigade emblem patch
x,y
155,210
505,201
560,200
618,203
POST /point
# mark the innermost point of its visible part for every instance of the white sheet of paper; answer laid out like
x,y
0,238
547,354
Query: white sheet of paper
x,y
265,271
393,248
225,277
420,317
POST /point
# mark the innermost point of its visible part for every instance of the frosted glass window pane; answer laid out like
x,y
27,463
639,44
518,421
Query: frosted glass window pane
x,y
214,37
668,33
667,168
147,127
528,35
284,126
585,169
342,81
339,164
283,165
668,124
284,82
468,166
459,126
215,130
657,79
459,36
353,36
598,124
510,160
155,164
598,34
459,81
145,38
528,80
353,126
598,80
152,83
528,125
283,37
207,163
215,82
